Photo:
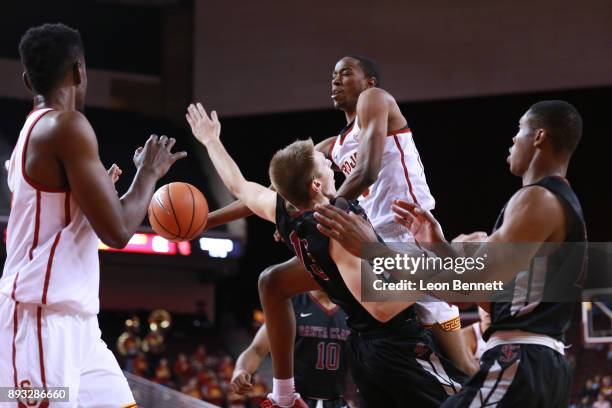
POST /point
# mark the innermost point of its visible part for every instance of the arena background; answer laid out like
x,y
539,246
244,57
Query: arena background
x,y
463,74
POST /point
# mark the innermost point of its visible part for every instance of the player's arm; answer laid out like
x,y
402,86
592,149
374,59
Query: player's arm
x,y
325,146
231,212
455,347
114,220
259,199
373,113
249,361
350,269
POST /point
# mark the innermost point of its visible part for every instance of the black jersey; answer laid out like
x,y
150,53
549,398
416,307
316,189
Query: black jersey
x,y
299,231
561,270
320,349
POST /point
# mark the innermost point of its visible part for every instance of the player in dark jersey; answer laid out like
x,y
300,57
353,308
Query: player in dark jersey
x,y
392,358
320,352
524,364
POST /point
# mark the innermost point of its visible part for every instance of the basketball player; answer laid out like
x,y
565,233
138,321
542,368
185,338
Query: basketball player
x,y
524,363
320,352
473,334
391,356
63,200
388,167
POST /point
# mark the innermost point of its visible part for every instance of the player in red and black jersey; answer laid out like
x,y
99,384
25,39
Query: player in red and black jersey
x,y
320,352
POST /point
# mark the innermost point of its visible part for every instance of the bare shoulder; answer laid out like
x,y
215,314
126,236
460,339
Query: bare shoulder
x,y
534,199
68,127
376,95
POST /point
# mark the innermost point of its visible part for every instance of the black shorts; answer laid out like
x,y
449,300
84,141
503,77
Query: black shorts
x,y
391,370
517,375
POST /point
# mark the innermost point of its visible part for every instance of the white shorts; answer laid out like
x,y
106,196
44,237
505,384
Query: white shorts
x,y
430,312
40,347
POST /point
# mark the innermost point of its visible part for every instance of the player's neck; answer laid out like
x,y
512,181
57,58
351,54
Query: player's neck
x,y
350,115
59,99
537,171
323,299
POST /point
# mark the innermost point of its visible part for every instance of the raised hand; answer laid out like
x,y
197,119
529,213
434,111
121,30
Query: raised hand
x,y
421,223
205,129
156,156
241,382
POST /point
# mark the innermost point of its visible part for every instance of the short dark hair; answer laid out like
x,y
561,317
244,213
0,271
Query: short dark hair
x,y
47,52
369,67
562,122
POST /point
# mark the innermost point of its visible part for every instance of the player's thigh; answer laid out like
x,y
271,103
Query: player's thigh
x,y
103,384
288,278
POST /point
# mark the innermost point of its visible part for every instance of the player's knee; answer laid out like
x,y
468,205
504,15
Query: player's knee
x,y
270,281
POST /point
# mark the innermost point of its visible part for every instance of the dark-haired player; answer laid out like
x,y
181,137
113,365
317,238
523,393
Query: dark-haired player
x,y
320,352
62,201
391,356
524,363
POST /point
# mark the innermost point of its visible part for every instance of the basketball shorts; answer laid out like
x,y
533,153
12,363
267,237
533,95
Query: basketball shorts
x,y
44,348
390,370
517,375
430,311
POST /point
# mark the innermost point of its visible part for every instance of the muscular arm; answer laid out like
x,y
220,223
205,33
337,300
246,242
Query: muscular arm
x,y
373,112
350,269
114,220
206,130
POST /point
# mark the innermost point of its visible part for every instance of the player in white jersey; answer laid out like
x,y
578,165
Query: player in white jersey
x,y
62,201
378,156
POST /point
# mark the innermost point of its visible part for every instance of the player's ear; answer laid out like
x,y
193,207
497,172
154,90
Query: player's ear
x,y
316,186
540,137
26,81
371,82
77,74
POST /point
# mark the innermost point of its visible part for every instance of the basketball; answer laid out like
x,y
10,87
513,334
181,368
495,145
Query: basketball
x,y
178,211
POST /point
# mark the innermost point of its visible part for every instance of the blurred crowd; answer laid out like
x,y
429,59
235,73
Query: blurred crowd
x,y
596,393
202,375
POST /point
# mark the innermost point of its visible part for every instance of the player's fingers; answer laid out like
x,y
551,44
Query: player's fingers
x,y
193,111
170,144
163,139
213,116
328,232
202,111
329,222
138,150
401,212
402,221
404,204
178,156
188,117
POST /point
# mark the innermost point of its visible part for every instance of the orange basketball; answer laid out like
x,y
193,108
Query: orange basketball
x,y
178,212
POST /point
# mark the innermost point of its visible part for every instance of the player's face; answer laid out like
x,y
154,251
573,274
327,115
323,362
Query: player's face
x,y
325,175
348,81
522,150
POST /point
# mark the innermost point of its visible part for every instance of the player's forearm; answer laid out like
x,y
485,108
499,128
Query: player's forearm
x,y
229,213
134,205
249,361
356,184
226,167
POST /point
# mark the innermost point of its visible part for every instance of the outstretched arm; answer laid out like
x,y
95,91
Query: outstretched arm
x,y
249,361
373,113
113,219
256,197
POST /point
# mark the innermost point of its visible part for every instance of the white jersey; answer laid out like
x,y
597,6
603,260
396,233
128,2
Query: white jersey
x,y
481,345
401,175
52,250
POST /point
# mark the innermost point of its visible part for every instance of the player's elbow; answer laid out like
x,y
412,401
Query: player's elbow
x,y
380,313
117,238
